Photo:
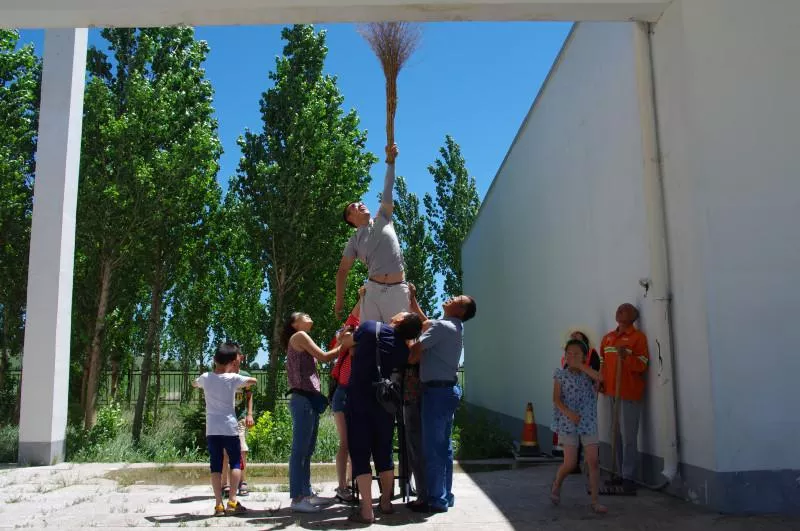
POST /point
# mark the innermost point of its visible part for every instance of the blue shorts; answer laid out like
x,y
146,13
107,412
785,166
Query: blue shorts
x,y
231,445
339,401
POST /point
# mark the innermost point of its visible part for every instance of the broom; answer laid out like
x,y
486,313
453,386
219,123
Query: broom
x,y
393,44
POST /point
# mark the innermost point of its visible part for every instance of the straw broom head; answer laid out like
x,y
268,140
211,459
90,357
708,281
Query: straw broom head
x,y
393,43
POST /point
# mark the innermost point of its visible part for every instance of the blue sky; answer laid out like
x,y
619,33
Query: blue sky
x,y
474,81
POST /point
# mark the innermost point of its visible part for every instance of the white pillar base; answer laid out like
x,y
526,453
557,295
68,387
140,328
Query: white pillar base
x,y
45,360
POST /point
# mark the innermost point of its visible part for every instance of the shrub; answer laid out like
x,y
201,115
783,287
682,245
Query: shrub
x,y
270,440
9,398
193,421
108,425
110,440
475,436
9,443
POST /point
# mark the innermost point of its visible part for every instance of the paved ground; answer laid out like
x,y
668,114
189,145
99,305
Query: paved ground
x,y
79,496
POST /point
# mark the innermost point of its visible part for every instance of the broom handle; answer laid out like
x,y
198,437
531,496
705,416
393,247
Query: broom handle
x,y
615,420
391,109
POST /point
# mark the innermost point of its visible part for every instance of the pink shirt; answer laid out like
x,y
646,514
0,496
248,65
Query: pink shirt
x,y
301,370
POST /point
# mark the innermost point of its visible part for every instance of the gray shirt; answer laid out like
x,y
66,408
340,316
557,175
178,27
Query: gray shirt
x,y
376,244
441,350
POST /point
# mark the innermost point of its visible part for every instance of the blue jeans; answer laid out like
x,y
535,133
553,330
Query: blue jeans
x,y
305,422
438,407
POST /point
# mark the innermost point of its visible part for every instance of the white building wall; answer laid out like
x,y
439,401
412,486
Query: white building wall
x,y
561,240
736,142
687,234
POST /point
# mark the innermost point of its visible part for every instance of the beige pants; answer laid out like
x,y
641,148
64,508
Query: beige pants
x,y
381,303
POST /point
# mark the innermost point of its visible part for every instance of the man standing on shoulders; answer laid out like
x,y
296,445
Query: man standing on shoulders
x,y
627,346
439,351
375,243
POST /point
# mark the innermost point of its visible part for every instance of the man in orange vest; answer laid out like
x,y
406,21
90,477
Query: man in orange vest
x,y
628,346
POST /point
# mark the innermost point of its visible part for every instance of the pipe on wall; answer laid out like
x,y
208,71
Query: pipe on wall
x,y
659,294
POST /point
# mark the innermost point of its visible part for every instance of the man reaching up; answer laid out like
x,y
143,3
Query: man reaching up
x,y
375,243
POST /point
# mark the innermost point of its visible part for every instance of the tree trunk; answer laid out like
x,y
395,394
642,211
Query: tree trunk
x,y
95,349
85,377
4,342
157,394
185,386
275,348
129,385
153,326
115,374
19,398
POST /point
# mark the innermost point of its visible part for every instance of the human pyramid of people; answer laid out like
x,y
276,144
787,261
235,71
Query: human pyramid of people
x,y
387,334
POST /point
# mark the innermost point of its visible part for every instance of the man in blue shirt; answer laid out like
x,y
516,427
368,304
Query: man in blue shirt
x,y
439,351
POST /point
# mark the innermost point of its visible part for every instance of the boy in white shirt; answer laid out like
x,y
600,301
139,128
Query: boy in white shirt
x,y
219,388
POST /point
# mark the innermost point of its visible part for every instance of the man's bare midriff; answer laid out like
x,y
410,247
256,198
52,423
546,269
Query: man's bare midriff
x,y
389,278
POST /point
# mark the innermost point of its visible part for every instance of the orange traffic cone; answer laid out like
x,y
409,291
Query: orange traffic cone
x,y
529,445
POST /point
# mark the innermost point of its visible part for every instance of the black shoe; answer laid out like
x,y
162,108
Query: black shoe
x,y
415,503
427,508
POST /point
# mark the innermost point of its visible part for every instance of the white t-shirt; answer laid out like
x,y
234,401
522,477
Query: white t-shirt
x,y
219,391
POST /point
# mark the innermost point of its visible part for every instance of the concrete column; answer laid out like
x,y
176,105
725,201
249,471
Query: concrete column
x,y
45,369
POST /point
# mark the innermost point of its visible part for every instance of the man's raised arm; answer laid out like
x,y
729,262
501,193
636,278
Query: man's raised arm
x,y
387,200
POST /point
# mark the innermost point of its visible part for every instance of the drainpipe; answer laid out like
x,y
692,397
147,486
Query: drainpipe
x,y
658,290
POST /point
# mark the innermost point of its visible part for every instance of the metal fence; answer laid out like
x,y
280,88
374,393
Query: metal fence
x,y
176,388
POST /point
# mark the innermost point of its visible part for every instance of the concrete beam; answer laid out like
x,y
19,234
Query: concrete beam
x,y
127,13
45,360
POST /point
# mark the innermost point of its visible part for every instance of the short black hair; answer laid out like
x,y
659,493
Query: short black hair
x,y
410,327
226,353
344,216
470,309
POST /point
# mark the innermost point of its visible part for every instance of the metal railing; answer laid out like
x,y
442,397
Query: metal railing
x,y
176,388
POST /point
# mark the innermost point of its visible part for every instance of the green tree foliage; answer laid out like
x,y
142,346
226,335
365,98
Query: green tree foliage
x,y
452,213
148,188
240,313
294,179
20,77
417,246
179,177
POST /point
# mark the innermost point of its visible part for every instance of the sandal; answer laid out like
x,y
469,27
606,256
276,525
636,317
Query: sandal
x,y
226,491
356,517
555,494
599,509
243,489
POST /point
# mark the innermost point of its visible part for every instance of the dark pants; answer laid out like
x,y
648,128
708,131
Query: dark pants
x,y
412,417
369,433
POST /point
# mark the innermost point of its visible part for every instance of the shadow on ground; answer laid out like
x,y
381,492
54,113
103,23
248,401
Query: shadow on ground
x,y
521,495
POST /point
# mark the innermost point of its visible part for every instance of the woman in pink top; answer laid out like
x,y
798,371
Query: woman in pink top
x,y
305,405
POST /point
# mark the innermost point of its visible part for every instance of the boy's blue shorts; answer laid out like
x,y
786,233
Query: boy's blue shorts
x,y
231,445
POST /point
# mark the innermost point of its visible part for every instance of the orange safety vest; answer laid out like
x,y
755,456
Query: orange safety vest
x,y
634,366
